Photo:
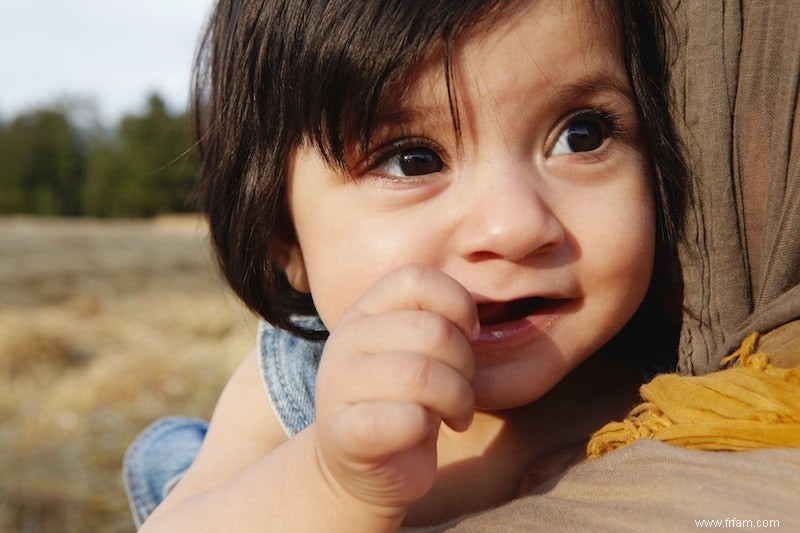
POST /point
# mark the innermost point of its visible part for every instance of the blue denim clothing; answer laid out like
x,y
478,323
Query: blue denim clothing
x,y
163,452
289,370
157,459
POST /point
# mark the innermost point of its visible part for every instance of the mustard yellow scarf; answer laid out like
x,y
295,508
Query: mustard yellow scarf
x,y
749,405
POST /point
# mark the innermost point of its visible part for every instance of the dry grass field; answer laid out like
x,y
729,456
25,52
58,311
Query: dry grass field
x,y
104,326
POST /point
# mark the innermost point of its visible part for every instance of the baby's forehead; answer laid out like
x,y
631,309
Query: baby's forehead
x,y
447,78
523,54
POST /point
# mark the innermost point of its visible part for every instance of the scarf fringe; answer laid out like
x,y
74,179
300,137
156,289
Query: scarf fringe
x,y
748,405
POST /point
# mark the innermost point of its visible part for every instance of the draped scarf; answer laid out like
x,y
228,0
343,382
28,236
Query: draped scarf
x,y
736,81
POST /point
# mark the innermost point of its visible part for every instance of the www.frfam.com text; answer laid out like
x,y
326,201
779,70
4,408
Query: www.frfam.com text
x,y
736,523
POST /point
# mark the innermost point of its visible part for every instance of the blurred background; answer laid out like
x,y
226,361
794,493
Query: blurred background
x,y
112,313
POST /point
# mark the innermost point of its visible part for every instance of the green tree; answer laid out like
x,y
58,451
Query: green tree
x,y
43,160
147,168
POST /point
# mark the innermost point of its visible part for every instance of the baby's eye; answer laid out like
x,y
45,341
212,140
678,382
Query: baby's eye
x,y
581,135
412,161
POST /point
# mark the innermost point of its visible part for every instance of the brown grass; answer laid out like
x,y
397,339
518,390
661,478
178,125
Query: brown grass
x,y
104,326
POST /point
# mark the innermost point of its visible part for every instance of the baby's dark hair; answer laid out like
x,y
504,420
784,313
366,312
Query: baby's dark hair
x,y
272,74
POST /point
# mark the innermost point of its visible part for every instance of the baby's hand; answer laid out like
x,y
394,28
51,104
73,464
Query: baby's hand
x,y
396,365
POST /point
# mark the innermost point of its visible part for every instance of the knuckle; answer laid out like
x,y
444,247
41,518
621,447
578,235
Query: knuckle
x,y
435,330
417,374
365,428
412,276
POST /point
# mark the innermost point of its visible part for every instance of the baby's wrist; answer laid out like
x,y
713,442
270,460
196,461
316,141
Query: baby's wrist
x,y
352,512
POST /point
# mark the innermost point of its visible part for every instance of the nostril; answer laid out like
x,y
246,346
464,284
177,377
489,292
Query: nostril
x,y
482,256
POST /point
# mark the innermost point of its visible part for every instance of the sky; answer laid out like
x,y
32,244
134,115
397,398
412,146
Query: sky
x,y
109,52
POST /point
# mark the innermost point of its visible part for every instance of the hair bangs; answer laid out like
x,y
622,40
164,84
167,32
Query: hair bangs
x,y
352,64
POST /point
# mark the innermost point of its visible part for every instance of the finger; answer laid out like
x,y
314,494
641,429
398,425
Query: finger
x,y
372,431
403,377
390,445
421,332
422,287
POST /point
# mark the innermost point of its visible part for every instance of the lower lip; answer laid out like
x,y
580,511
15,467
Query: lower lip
x,y
517,332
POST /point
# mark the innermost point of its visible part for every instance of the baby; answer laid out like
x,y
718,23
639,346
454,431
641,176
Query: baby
x,y
473,204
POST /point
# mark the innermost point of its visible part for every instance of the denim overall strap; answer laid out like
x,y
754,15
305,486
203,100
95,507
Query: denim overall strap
x,y
289,370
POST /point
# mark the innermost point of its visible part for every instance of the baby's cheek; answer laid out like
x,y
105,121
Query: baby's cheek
x,y
334,296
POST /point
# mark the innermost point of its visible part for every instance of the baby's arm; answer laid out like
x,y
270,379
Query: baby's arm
x,y
397,363
248,477
241,432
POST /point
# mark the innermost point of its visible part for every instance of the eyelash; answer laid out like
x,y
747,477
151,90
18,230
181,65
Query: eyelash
x,y
376,158
383,154
608,118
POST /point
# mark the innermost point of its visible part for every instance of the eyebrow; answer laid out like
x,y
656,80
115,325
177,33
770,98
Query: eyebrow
x,y
596,83
401,115
400,119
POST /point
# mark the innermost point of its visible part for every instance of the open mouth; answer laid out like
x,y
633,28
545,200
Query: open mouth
x,y
502,312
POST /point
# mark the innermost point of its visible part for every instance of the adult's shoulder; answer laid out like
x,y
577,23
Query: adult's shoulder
x,y
655,486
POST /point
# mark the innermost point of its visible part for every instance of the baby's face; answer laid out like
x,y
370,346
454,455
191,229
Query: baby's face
x,y
542,209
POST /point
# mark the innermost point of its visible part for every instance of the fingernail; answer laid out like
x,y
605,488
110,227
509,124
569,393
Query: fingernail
x,y
476,330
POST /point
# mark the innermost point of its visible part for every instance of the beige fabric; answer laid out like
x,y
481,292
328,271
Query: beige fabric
x,y
737,76
783,345
652,486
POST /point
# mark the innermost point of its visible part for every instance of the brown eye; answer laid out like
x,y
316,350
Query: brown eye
x,y
415,161
582,135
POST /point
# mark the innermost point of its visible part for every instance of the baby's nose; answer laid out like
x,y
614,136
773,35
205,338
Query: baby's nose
x,y
509,218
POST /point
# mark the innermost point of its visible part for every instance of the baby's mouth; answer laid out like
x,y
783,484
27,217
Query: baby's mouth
x,y
501,312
